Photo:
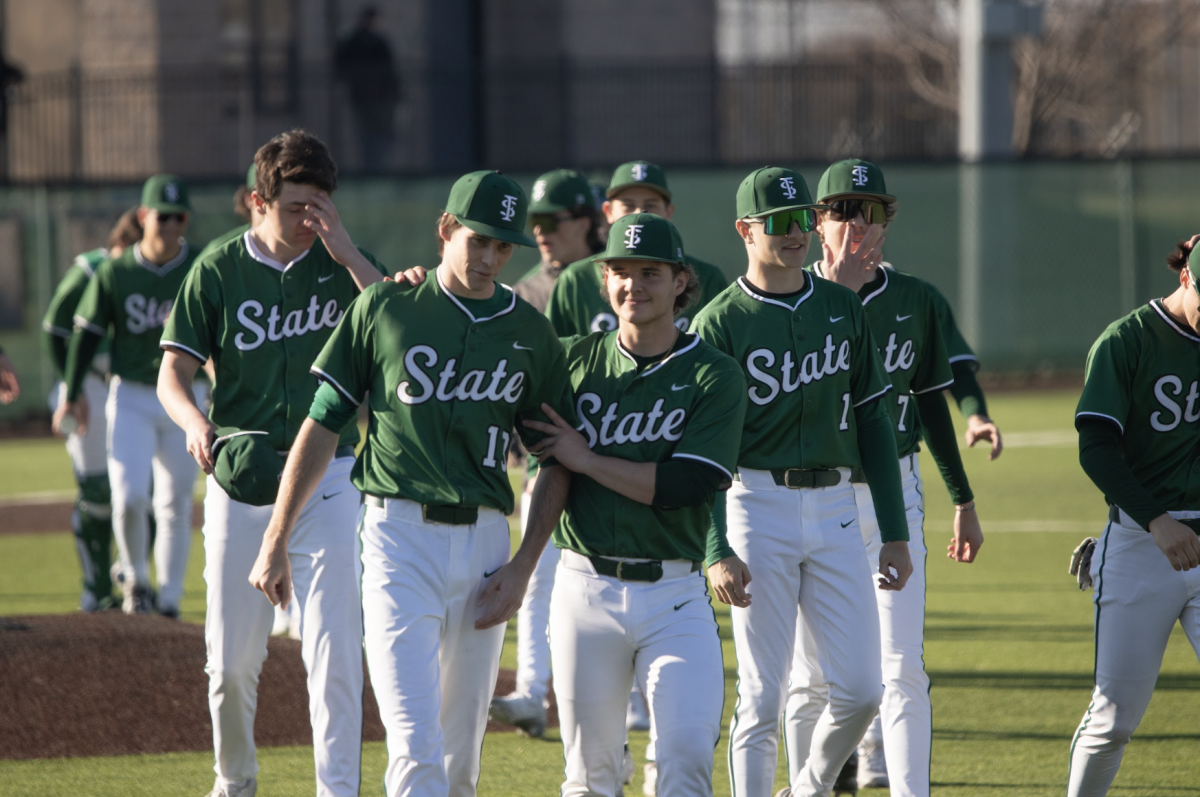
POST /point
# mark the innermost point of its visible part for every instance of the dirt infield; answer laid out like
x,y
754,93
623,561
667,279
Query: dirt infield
x,y
39,517
110,684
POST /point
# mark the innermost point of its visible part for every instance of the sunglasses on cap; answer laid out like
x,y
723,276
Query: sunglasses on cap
x,y
873,211
167,218
548,222
780,223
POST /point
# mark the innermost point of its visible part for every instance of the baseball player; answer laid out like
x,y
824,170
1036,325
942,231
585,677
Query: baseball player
x,y
245,208
817,421
661,418
563,219
262,306
450,366
91,520
576,305
904,322
10,385
1138,438
128,299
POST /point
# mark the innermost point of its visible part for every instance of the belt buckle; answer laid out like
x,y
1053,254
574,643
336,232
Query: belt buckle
x,y
787,481
620,564
425,515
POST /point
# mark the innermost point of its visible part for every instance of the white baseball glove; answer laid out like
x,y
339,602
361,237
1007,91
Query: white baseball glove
x,y
1081,562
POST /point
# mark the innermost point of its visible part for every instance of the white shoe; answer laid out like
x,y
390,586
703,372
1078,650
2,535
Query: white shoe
x,y
637,715
526,713
650,784
872,767
246,788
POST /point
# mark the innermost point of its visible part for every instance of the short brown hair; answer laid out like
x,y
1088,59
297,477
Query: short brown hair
x,y
239,203
449,223
126,232
296,156
1178,259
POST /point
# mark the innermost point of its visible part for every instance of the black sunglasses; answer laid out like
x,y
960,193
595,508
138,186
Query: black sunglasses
x,y
873,211
167,218
548,222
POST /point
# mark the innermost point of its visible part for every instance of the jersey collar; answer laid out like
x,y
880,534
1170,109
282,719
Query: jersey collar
x,y
748,289
512,300
256,253
884,267
1171,322
170,265
693,343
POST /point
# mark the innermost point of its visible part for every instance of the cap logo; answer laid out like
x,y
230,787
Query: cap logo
x,y
789,190
859,173
633,236
579,199
539,190
639,171
509,205
171,192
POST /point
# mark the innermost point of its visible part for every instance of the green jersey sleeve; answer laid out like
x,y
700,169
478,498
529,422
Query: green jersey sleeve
x,y
1107,377
191,325
868,377
95,310
348,359
714,431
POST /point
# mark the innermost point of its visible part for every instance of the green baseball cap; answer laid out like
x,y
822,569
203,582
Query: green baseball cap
x,y
634,173
251,176
246,466
559,190
490,204
643,236
770,190
853,177
598,189
165,193
1194,268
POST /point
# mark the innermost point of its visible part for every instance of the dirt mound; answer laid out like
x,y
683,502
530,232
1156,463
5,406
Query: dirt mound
x,y
37,517
111,684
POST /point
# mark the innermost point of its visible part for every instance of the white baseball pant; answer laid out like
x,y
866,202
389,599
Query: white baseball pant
x,y
88,452
323,550
604,633
805,554
1138,597
533,618
433,672
906,711
143,440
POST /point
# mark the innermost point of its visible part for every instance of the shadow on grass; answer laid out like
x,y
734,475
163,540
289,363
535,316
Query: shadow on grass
x,y
990,679
1010,632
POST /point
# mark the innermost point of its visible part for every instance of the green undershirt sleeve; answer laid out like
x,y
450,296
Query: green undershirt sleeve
x,y
938,431
58,353
680,483
966,390
80,352
1102,460
718,547
331,409
877,448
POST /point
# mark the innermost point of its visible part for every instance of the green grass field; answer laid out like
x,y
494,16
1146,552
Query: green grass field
x,y
1009,645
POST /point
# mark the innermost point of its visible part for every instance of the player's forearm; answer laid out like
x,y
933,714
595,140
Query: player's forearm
x,y
1101,458
881,466
634,480
80,352
306,464
966,390
937,429
545,507
58,352
175,377
360,268
717,545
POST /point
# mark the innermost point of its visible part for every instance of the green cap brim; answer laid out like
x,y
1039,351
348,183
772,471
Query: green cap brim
x,y
613,190
773,211
499,233
859,195
602,259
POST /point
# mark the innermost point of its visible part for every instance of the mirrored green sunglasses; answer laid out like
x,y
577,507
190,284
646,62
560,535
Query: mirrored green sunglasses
x,y
780,223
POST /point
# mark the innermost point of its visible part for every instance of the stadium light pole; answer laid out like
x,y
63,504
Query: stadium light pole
x,y
987,29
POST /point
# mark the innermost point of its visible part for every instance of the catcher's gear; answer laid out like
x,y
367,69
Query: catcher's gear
x,y
1081,562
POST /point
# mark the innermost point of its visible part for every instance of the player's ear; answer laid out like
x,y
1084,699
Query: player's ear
x,y
743,229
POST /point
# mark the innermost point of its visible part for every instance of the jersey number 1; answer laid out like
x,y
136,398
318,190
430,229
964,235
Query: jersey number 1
x,y
494,434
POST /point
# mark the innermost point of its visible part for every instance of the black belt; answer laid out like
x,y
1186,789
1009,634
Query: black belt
x,y
1114,515
802,478
436,513
631,571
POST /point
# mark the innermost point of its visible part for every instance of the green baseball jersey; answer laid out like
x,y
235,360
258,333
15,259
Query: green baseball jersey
x,y
957,348
446,389
578,307
59,320
263,323
809,360
1143,375
690,406
222,239
129,298
904,323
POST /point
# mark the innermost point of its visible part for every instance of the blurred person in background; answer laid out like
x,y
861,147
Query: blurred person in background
x,y
10,386
363,61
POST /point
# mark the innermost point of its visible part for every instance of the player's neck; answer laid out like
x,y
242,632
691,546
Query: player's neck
x,y
775,279
274,247
569,258
1176,306
647,340
450,281
158,250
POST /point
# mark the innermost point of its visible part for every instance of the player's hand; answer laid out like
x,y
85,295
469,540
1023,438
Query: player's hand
x,y
200,436
561,442
272,571
78,410
413,276
968,536
981,427
1178,543
895,566
324,220
10,386
862,261
501,595
729,578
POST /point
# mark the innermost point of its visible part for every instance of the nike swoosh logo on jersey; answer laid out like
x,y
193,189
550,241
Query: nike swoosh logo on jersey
x,y
489,575
519,347
327,496
679,387
847,523
326,278
679,606
903,317
833,320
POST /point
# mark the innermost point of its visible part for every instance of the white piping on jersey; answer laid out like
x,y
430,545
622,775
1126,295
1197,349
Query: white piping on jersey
x,y
83,263
317,372
511,304
170,344
877,395
57,332
749,291
256,253
165,267
1120,425
82,322
960,357
728,475
931,389
1158,308
695,342
884,270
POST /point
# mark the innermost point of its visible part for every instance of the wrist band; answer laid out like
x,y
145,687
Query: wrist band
x,y
965,507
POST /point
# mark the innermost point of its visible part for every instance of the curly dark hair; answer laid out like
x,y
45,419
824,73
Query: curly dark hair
x,y
1178,259
296,156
